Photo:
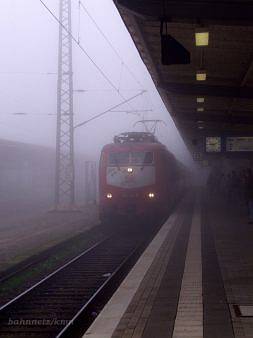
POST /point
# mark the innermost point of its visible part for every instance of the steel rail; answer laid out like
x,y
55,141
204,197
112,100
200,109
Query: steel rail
x,y
70,326
50,275
72,291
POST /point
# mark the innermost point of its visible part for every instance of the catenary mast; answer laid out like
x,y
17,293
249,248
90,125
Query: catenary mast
x,y
64,180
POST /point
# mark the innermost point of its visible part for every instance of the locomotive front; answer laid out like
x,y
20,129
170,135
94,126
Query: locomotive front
x,y
128,176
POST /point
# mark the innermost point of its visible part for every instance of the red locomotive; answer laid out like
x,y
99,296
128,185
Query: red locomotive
x,y
138,176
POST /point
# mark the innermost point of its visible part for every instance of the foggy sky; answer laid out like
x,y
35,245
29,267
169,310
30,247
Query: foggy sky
x,y
29,42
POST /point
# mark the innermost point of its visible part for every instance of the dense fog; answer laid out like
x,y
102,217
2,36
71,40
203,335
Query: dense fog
x,y
28,89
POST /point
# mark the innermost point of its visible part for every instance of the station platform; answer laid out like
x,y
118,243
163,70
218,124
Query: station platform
x,y
194,280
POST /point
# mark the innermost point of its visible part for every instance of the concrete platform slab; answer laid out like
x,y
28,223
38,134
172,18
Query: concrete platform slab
x,y
188,280
109,320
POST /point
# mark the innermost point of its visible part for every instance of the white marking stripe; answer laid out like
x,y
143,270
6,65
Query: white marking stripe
x,y
189,319
109,318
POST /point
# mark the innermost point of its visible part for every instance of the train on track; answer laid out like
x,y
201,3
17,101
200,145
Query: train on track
x,y
138,176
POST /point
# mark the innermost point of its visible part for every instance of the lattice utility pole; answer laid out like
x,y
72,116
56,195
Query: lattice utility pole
x,y
64,186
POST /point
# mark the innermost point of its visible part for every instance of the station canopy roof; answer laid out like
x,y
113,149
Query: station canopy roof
x,y
227,61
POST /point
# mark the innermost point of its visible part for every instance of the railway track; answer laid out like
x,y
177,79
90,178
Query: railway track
x,y
33,261
76,291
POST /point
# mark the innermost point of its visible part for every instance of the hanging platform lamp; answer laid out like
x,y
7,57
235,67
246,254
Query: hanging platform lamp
x,y
172,51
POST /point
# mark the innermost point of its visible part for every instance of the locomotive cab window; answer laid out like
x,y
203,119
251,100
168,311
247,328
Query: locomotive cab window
x,y
142,158
135,158
118,158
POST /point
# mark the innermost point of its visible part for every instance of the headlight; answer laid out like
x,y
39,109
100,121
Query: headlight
x,y
109,195
151,195
129,170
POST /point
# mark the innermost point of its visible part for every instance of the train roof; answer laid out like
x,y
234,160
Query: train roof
x,y
134,140
133,137
133,145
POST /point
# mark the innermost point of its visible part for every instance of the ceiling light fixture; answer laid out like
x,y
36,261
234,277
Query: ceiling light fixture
x,y
201,75
201,38
200,109
200,99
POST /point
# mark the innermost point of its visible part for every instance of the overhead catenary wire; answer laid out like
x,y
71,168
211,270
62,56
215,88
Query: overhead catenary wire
x,y
120,76
109,42
109,110
123,64
131,111
79,113
103,90
79,20
28,73
28,114
82,49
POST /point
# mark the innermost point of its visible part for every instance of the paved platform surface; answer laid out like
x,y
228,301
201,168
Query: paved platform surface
x,y
191,280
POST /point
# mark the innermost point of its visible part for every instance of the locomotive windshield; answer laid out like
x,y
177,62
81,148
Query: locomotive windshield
x,y
118,158
136,158
142,157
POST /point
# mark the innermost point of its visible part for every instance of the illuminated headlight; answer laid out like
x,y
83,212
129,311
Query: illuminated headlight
x,y
151,195
109,195
129,170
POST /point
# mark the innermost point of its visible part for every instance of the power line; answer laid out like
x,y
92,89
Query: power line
x,y
79,20
30,114
131,111
82,49
123,64
109,42
103,90
109,110
28,73
120,75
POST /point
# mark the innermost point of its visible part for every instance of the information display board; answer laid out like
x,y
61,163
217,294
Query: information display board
x,y
213,144
239,143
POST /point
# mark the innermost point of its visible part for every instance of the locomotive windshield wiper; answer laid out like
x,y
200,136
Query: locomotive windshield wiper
x,y
144,161
117,163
